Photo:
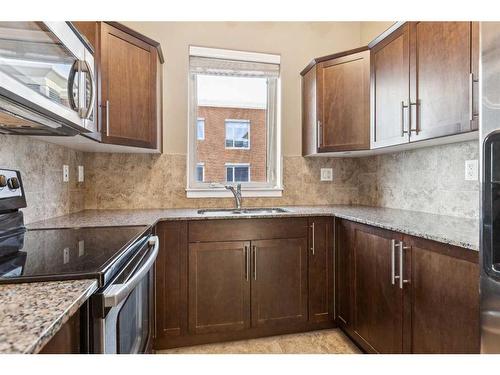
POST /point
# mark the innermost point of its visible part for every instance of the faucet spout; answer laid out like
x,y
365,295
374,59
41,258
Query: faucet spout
x,y
237,194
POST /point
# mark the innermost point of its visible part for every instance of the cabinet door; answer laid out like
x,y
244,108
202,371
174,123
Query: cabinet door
x,y
445,299
390,89
442,78
321,292
219,287
309,119
344,273
171,281
343,95
378,303
279,282
128,89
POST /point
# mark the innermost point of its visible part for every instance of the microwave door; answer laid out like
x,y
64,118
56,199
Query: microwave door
x,y
40,69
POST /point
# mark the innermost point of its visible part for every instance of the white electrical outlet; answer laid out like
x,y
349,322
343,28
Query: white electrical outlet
x,y
80,173
471,170
65,173
326,174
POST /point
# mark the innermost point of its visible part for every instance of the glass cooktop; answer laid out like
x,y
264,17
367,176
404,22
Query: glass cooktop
x,y
59,254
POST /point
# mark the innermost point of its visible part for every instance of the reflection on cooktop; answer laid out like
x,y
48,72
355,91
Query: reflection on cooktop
x,y
66,251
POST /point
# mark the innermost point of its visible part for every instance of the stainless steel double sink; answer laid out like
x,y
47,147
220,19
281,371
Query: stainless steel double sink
x,y
243,211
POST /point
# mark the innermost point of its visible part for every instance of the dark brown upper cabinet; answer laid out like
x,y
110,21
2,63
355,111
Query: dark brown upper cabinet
x,y
129,85
390,71
424,82
336,103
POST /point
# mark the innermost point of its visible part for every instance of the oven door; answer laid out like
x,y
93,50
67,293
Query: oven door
x,y
126,325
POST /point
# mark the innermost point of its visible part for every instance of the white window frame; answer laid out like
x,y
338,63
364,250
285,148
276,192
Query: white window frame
x,y
233,165
197,120
271,188
202,165
232,121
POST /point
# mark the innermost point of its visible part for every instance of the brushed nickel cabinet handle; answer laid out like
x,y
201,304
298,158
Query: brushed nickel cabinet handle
x,y
318,133
403,128
107,118
471,96
247,263
402,280
312,238
255,262
393,262
417,117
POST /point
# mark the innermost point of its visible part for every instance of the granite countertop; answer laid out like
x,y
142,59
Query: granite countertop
x,y
446,229
32,313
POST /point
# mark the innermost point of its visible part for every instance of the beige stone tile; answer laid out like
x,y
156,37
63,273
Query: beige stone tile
x,y
317,342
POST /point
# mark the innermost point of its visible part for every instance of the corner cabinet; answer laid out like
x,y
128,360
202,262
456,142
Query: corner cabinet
x,y
424,82
402,294
129,85
336,103
224,280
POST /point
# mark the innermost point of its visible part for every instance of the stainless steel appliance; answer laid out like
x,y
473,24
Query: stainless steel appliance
x,y
118,317
47,84
490,186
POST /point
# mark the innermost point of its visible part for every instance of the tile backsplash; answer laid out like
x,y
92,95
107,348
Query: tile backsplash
x,y
41,164
429,179
159,181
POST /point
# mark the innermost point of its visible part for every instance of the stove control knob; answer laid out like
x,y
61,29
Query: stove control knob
x,y
3,181
13,183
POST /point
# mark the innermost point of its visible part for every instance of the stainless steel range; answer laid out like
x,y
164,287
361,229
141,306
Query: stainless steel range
x,y
119,315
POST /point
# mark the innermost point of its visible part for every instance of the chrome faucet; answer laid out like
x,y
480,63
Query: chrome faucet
x,y
237,194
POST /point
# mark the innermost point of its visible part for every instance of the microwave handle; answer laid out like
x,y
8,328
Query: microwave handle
x,y
89,109
118,292
75,68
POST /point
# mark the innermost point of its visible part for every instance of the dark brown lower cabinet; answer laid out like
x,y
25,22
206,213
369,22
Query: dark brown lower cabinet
x,y
219,287
378,301
67,340
434,310
445,299
220,280
321,269
279,282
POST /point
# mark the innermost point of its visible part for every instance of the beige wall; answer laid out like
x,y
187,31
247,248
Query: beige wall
x,y
296,42
370,30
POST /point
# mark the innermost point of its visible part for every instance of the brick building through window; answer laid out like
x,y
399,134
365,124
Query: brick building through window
x,y
233,146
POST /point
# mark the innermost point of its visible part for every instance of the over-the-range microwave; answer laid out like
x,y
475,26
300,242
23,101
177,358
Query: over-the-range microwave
x,y
47,79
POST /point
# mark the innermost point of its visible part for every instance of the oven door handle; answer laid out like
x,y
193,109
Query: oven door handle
x,y
118,292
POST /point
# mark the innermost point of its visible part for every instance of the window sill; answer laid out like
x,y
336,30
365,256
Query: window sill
x,y
223,193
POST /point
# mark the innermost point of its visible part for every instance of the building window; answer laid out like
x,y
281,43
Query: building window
x,y
238,134
237,173
234,105
200,172
200,129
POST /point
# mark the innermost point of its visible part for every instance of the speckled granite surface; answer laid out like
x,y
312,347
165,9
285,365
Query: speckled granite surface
x,y
32,313
446,229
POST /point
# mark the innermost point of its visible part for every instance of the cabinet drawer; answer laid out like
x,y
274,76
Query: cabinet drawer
x,y
247,229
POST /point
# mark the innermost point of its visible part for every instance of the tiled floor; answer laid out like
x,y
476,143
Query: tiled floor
x,y
331,341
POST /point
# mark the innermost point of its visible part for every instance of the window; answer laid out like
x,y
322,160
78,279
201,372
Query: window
x,y
200,172
200,129
234,106
237,173
238,134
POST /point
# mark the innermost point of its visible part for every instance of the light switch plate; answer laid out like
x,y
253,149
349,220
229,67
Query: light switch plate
x,y
81,176
65,173
326,174
471,170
